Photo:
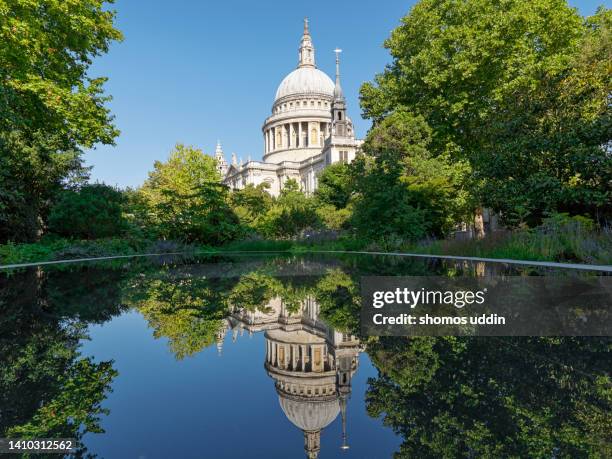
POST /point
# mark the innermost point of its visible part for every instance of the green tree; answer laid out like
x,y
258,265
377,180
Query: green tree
x,y
488,77
47,388
251,203
335,185
91,212
187,313
186,201
402,188
291,213
548,151
50,107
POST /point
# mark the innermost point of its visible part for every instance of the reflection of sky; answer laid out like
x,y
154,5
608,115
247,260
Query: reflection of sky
x,y
211,406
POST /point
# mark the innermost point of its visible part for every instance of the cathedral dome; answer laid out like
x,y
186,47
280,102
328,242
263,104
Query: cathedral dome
x,y
307,81
310,415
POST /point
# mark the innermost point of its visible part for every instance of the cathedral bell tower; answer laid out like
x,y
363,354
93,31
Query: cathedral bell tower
x,y
340,122
220,158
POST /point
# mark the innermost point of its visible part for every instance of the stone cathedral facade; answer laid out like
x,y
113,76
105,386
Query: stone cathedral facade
x,y
307,130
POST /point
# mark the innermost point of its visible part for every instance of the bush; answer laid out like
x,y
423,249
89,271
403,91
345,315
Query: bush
x,y
92,212
332,218
292,213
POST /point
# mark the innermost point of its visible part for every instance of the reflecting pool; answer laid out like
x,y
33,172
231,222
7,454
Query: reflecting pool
x,y
260,356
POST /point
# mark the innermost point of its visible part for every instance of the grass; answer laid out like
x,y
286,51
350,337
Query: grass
x,y
51,249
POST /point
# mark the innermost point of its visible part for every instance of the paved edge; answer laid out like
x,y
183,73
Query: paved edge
x,y
546,264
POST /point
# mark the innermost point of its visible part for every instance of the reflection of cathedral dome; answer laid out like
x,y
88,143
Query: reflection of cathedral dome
x,y
306,81
310,415
311,365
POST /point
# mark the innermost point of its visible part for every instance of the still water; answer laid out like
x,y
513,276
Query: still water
x,y
261,357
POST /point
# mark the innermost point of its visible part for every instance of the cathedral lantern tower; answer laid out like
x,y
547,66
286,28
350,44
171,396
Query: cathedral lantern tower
x,y
306,52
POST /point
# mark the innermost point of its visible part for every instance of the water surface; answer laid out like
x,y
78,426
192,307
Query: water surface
x,y
261,357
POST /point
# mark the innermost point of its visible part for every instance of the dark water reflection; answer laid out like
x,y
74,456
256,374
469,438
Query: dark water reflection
x,y
255,356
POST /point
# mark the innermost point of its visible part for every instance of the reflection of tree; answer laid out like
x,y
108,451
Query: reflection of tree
x,y
489,397
46,388
186,309
338,296
254,291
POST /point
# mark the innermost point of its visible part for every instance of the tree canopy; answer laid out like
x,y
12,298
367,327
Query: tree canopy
x,y
50,106
518,89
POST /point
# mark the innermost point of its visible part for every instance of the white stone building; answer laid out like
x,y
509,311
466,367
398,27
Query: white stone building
x,y
308,130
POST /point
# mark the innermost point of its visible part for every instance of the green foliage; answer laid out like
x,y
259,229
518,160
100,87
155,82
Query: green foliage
x,y
338,297
518,89
91,212
185,200
548,150
254,291
292,213
62,416
49,249
402,189
51,108
335,185
466,397
332,218
560,238
47,389
251,203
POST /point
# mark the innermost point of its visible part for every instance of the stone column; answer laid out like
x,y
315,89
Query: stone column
x,y
294,357
300,140
303,357
286,131
269,141
274,363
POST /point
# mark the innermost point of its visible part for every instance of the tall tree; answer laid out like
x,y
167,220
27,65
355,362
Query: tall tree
x,y
50,108
402,188
469,67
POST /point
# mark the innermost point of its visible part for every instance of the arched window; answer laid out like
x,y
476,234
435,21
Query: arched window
x,y
313,136
339,115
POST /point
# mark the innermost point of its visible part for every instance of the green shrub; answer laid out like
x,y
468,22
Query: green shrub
x,y
292,213
92,212
332,218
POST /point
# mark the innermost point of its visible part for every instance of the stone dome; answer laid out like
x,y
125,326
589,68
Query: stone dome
x,y
310,415
305,81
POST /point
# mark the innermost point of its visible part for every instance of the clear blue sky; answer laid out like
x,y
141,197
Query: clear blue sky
x,y
195,71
